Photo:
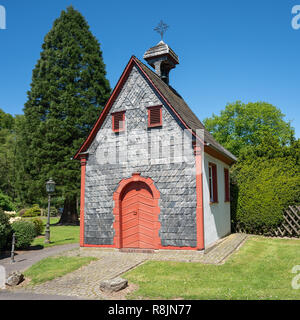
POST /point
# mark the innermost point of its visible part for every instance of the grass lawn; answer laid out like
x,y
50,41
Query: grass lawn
x,y
261,269
58,234
53,267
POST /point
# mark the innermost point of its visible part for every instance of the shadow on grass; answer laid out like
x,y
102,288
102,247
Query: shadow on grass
x,y
62,240
51,242
60,224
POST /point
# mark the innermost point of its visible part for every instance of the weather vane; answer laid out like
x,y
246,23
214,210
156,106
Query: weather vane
x,y
161,28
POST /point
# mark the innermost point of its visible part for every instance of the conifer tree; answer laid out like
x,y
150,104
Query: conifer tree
x,y
68,91
7,154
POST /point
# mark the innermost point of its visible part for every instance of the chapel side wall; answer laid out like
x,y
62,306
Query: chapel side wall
x,y
175,180
216,215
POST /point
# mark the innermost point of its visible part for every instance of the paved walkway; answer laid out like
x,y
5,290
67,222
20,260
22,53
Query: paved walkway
x,y
224,248
26,259
84,282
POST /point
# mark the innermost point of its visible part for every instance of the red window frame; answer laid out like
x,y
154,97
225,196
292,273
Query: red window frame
x,y
213,182
114,117
227,185
150,110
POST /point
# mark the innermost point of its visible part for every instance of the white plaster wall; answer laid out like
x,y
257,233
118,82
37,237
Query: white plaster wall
x,y
216,215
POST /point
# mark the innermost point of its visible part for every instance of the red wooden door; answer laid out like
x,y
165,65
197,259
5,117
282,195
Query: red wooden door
x,y
137,221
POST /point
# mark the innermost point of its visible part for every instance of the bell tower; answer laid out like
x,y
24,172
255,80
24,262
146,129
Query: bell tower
x,y
161,57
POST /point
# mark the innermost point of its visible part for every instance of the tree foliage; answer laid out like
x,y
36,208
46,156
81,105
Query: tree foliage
x,y
7,154
5,230
266,178
242,126
68,91
6,203
6,121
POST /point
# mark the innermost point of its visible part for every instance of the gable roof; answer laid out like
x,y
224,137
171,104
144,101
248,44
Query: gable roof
x,y
173,100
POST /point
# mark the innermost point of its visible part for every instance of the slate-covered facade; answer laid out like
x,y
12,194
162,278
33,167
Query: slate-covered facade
x,y
147,186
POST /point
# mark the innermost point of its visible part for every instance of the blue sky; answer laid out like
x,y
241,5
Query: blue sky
x,y
228,49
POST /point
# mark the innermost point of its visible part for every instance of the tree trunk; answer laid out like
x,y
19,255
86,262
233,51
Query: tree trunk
x,y
69,215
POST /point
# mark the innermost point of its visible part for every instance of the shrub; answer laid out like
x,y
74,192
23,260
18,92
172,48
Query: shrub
x,y
35,211
6,203
265,188
11,214
5,230
25,233
53,212
13,219
43,212
39,226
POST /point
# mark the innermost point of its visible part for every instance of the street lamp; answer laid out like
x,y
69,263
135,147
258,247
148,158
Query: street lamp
x,y
50,188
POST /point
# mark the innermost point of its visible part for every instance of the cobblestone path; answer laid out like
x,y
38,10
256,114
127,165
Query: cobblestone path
x,y
84,282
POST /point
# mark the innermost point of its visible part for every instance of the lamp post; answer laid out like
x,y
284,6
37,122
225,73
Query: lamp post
x,y
50,187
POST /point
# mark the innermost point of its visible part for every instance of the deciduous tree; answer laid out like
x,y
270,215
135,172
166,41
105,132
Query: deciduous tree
x,y
242,125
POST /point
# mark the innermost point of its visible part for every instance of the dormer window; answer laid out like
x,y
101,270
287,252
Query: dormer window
x,y
154,116
118,121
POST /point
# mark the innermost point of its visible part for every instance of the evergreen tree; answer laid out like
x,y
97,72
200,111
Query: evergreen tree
x,y
7,154
68,91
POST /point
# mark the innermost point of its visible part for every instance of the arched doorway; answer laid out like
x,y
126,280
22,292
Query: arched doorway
x,y
136,214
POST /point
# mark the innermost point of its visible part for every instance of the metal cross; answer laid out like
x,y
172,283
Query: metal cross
x,y
161,28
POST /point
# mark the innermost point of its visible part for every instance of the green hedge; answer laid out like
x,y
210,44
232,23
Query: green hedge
x,y
5,231
38,225
25,233
263,189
